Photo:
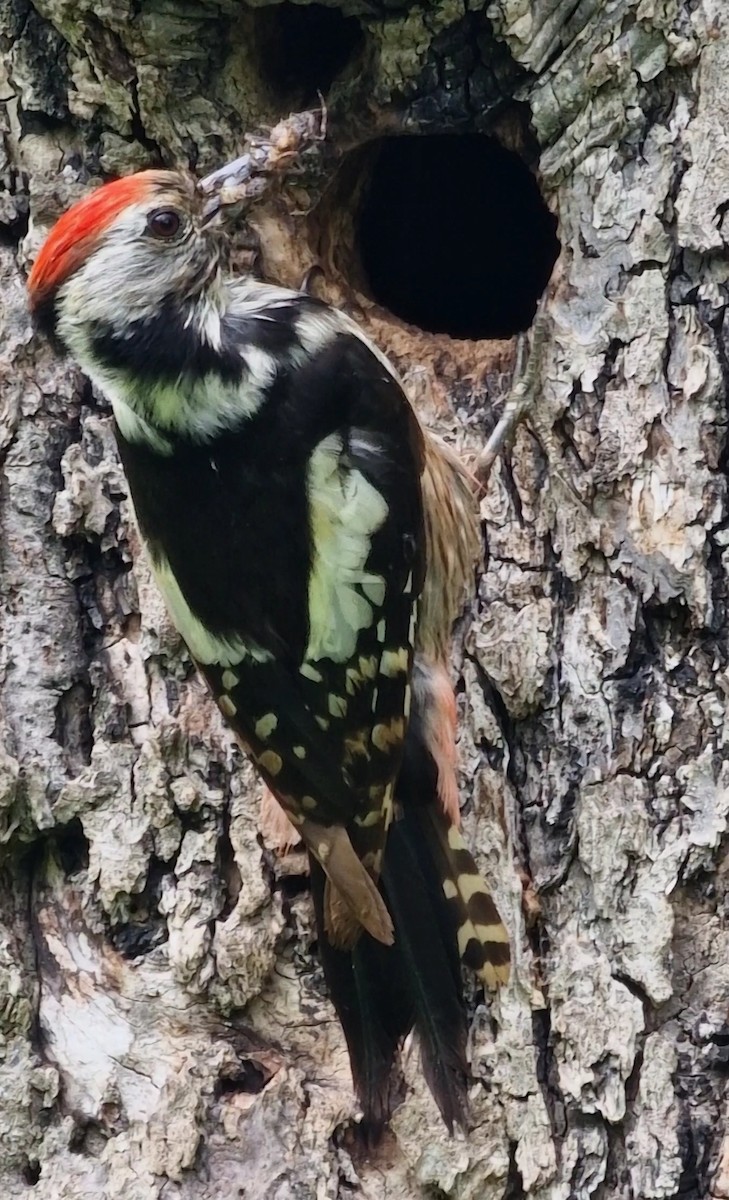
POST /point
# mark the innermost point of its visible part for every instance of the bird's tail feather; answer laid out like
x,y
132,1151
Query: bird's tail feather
x,y
483,942
442,914
381,992
373,1003
424,936
480,935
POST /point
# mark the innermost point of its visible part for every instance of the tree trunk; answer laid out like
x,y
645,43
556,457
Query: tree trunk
x,y
164,1027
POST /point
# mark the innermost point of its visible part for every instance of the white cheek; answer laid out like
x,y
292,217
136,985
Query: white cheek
x,y
127,276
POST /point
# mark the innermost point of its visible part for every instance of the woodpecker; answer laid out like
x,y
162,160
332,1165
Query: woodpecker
x,y
313,544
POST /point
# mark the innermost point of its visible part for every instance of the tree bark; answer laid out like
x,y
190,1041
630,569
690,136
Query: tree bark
x,y
164,1028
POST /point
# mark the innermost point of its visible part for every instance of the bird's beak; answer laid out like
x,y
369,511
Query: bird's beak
x,y
224,188
231,175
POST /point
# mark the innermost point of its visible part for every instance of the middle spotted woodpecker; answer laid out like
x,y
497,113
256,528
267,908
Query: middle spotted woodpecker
x,y
313,545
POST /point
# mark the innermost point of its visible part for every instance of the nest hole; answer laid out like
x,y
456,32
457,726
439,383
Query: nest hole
x,y
71,847
302,48
452,235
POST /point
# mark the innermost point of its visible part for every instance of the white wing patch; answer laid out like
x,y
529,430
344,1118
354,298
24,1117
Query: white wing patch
x,y
203,645
346,510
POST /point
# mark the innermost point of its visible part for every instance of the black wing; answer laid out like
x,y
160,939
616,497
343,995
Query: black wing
x,y
295,539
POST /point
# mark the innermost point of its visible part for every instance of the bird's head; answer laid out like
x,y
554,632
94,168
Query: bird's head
x,y
122,252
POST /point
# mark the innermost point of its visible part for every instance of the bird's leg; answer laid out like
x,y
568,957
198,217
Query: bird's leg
x,y
527,376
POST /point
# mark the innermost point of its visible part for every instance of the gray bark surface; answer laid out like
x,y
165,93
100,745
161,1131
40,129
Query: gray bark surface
x,y
164,1028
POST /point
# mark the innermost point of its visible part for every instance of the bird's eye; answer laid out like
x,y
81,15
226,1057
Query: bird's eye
x,y
164,223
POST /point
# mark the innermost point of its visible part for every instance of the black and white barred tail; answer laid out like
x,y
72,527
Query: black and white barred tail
x,y
443,916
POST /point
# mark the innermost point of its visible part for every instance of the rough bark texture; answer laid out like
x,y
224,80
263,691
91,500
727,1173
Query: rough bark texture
x,y
164,1030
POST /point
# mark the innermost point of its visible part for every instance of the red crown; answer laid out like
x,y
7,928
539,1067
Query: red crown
x,y
74,234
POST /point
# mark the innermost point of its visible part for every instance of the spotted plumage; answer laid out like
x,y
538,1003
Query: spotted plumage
x,y
312,545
